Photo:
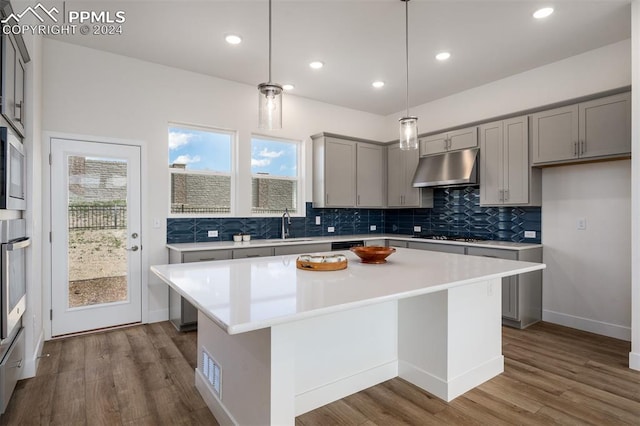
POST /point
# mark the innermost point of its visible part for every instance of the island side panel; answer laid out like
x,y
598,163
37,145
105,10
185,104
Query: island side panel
x,y
245,367
450,341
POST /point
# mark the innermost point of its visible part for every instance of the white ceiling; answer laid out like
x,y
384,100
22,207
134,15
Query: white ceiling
x,y
361,41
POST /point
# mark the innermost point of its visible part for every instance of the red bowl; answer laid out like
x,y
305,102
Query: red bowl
x,y
373,254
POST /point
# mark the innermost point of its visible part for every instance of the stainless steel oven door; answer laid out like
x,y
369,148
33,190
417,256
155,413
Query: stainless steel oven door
x,y
13,172
14,284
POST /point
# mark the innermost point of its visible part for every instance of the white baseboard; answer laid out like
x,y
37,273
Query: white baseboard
x,y
31,365
585,324
449,390
634,360
158,315
326,394
215,405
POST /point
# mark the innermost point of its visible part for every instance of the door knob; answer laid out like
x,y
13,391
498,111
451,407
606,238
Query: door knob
x,y
134,248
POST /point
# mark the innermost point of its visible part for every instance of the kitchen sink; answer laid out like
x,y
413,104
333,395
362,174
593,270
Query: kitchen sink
x,y
291,240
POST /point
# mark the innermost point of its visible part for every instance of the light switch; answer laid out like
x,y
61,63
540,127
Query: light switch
x,y
157,223
581,224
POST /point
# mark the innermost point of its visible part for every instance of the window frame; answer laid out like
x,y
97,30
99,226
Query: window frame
x,y
233,173
299,178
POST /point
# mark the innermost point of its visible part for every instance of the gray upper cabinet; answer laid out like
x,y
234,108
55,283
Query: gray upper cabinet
x,y
401,166
370,175
347,173
600,128
505,175
449,141
13,79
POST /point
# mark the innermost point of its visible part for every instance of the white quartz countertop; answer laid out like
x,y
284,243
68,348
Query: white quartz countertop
x,y
242,295
224,245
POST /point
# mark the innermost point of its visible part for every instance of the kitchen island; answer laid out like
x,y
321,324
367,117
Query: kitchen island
x,y
275,341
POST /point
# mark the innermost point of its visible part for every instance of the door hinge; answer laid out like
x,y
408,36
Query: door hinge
x,y
50,162
51,314
50,237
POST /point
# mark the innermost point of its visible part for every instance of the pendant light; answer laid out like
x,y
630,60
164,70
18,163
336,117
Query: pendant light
x,y
269,97
408,123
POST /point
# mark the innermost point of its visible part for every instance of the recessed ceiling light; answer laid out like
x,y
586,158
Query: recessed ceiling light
x,y
316,65
443,56
233,39
288,86
543,13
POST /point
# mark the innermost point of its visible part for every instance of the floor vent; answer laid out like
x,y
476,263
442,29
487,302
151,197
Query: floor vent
x,y
211,370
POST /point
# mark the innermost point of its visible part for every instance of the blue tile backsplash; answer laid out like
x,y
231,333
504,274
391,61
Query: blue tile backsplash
x,y
456,211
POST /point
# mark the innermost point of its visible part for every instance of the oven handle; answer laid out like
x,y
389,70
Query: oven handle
x,y
18,245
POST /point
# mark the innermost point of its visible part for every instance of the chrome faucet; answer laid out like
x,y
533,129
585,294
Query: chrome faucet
x,y
285,228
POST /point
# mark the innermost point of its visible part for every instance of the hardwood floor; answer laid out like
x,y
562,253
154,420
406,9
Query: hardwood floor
x,y
143,375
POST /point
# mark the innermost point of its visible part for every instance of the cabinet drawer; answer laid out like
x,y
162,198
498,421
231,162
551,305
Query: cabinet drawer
x,y
302,248
205,255
397,243
11,369
252,252
488,252
444,248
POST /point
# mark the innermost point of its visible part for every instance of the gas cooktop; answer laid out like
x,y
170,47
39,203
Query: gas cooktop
x,y
450,238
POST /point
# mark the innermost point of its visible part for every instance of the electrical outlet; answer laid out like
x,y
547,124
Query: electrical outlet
x,y
212,234
372,227
317,220
489,289
581,224
417,229
157,223
331,229
529,234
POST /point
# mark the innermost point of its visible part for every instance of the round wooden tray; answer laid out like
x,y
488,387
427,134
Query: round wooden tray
x,y
334,262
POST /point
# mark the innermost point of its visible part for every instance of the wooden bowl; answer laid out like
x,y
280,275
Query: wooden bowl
x,y
373,254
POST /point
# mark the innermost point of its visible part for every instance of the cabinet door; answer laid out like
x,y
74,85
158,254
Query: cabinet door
x,y
463,138
9,58
19,107
555,134
516,161
395,176
397,243
433,144
370,175
340,173
510,298
205,255
411,194
605,126
491,164
301,248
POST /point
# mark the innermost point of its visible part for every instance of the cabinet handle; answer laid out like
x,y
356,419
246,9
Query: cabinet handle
x,y
253,255
506,195
19,111
326,199
449,143
358,200
204,259
575,149
583,147
445,144
501,195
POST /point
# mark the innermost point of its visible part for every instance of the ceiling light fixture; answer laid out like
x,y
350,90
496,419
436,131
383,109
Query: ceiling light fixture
x,y
288,87
316,65
233,39
443,56
408,123
543,13
378,84
269,97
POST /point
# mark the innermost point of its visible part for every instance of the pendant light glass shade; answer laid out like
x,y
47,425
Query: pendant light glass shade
x,y
408,123
409,133
270,106
269,97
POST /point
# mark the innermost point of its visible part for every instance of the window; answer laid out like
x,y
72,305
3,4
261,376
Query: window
x,y
275,177
200,167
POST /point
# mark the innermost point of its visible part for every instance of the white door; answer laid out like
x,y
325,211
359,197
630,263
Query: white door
x,y
95,221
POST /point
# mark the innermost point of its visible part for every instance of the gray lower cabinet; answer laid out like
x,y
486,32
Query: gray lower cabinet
x,y
251,252
369,243
397,243
182,314
446,248
11,369
521,294
301,249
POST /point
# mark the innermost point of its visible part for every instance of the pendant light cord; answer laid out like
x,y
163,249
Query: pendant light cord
x,y
269,41
406,28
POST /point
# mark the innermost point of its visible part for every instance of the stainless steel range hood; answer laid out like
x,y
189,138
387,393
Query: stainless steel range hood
x,y
454,168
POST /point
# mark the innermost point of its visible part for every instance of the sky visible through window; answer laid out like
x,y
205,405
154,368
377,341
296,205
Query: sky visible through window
x,y
200,149
273,157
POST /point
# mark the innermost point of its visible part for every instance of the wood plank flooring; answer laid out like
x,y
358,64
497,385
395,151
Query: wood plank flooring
x,y
143,375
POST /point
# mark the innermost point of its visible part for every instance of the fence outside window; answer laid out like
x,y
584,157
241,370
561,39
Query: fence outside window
x,y
97,217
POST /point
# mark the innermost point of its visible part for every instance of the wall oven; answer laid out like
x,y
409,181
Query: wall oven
x,y
13,297
12,171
